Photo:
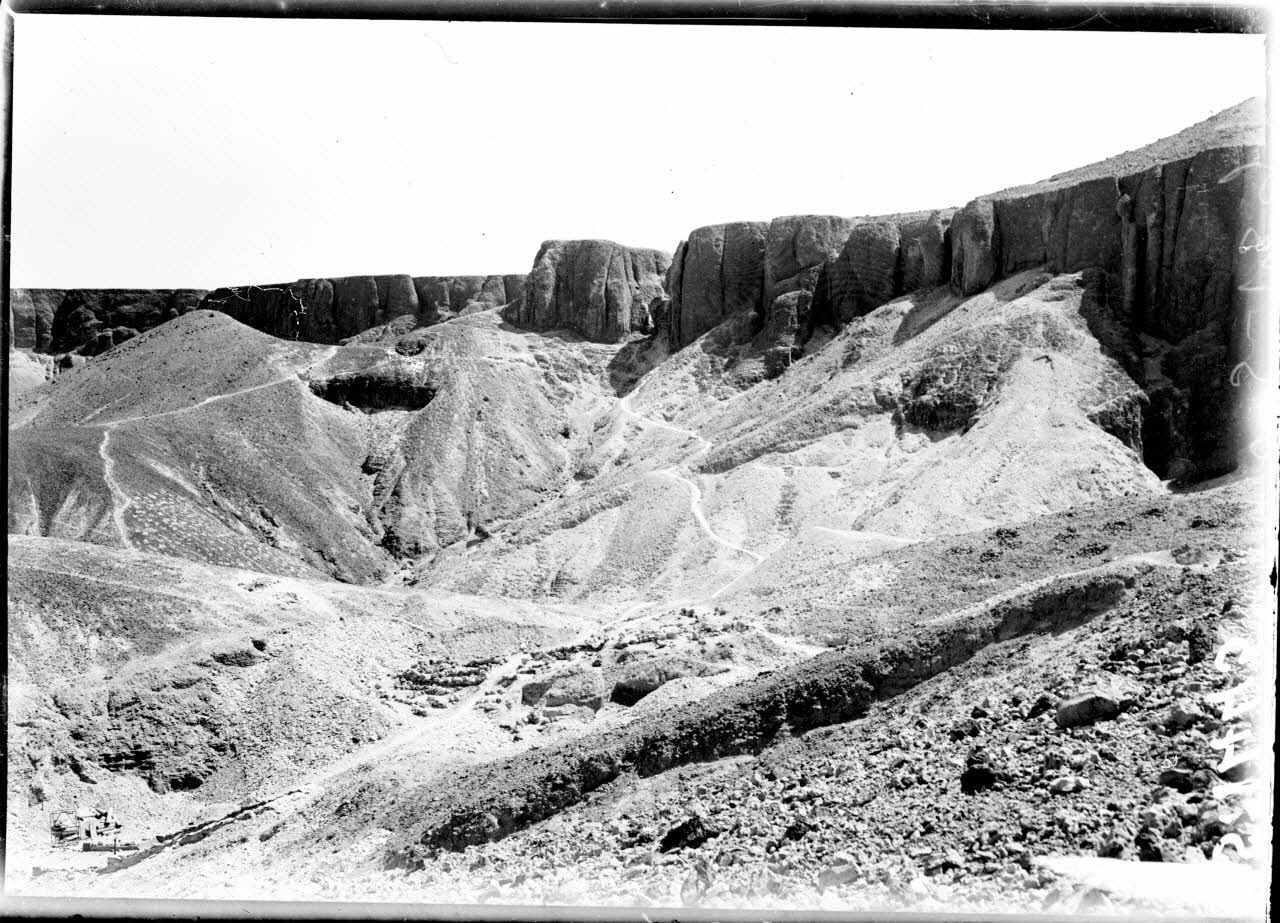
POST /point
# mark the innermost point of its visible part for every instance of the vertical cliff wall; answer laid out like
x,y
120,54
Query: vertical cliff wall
x,y
1170,244
92,320
1169,237
716,273
329,310
602,290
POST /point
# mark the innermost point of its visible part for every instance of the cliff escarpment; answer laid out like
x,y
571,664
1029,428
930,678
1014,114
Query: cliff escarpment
x,y
329,310
1168,236
601,290
1176,279
92,321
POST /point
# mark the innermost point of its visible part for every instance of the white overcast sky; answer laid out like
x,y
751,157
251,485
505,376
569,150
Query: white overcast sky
x,y
200,152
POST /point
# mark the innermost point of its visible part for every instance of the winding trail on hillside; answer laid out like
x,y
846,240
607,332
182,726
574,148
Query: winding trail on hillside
x,y
197,406
120,500
303,376
628,411
696,508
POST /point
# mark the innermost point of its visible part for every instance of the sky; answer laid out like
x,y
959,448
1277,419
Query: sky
x,y
170,152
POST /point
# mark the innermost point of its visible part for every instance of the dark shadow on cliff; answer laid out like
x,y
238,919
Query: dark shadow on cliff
x,y
635,360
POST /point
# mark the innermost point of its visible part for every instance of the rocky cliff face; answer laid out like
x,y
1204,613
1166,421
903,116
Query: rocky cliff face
x,y
597,288
329,310
798,272
797,251
90,320
881,259
716,273
1164,231
1171,245
1170,234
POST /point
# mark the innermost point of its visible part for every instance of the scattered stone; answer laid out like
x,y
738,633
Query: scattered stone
x,y
1086,708
979,772
689,834
1067,785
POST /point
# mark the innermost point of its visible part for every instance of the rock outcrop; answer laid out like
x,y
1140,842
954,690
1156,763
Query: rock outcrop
x,y
1169,236
1171,244
599,289
883,258
718,272
442,297
797,251
802,271
330,310
90,320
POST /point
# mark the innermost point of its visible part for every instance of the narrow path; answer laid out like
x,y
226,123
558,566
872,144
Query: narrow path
x,y
625,405
896,541
698,509
303,375
695,492
695,506
197,406
120,501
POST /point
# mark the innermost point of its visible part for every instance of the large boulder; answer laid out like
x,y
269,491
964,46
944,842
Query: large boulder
x,y
637,678
582,687
1086,708
601,290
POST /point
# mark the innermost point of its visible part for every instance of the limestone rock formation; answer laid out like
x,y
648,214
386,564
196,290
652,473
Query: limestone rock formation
x,y
90,320
911,616
1170,239
331,310
1167,236
442,297
602,290
27,371
716,273
797,250
802,271
883,257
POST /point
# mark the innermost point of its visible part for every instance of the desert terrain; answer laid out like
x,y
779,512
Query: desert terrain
x,y
920,561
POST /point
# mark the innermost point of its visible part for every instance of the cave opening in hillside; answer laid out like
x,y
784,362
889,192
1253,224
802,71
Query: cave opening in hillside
x,y
628,694
368,394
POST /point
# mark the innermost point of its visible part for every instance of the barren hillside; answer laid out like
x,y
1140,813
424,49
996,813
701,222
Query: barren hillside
x,y
828,561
